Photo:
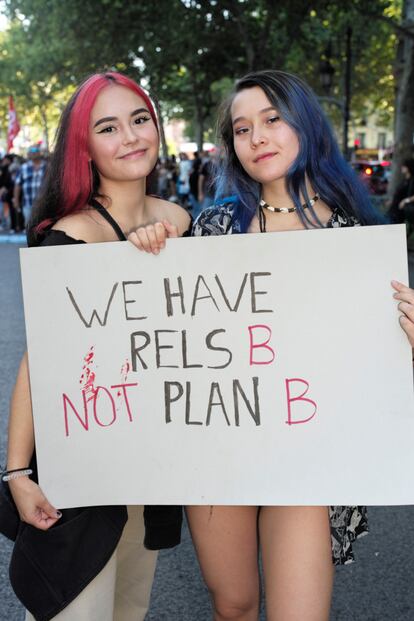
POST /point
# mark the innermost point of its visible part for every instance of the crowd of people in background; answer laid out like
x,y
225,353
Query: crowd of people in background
x,y
20,181
187,180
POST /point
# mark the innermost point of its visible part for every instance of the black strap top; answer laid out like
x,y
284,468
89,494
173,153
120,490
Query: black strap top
x,y
54,237
105,214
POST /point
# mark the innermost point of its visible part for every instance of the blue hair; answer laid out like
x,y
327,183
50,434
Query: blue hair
x,y
319,159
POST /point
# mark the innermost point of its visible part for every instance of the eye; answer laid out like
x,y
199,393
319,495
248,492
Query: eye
x,y
273,119
240,130
139,120
109,129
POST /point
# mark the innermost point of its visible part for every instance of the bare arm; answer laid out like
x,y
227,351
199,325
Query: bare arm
x,y
21,437
33,506
405,202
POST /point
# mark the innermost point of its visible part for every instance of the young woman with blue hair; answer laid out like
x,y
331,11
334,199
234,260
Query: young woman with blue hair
x,y
280,170
283,171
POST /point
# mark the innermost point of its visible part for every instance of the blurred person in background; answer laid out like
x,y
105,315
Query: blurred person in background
x,y
194,194
8,170
28,182
206,189
172,168
163,187
5,188
402,203
183,182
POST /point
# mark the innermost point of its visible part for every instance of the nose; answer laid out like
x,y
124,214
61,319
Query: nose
x,y
129,135
257,138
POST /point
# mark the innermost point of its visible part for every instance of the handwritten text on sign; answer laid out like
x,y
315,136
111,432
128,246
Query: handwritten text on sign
x,y
225,370
153,350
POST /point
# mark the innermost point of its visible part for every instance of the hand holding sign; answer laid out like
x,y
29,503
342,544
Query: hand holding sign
x,y
151,238
406,297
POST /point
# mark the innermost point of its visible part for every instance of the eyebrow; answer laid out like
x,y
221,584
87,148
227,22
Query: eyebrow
x,y
242,118
107,119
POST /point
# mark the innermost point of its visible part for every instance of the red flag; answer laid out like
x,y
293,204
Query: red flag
x,y
14,126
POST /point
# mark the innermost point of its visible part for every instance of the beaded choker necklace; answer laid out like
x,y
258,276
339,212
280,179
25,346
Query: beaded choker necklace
x,y
265,205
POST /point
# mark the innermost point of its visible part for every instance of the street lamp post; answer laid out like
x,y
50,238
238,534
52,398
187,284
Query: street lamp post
x,y
326,73
347,97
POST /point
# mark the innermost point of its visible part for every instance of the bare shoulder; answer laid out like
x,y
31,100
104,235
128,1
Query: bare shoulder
x,y
172,212
86,225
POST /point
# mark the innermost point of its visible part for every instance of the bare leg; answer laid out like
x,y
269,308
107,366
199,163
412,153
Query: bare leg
x,y
297,562
225,539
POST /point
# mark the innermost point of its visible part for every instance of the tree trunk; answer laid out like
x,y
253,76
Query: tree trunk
x,y
404,104
199,128
45,126
237,11
200,106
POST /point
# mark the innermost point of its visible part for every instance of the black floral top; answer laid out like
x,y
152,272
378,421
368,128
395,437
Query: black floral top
x,y
221,220
347,523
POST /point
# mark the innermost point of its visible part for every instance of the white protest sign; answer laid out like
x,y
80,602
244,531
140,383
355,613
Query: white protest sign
x,y
249,369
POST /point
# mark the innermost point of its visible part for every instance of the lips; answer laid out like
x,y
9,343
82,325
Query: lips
x,y
133,154
263,156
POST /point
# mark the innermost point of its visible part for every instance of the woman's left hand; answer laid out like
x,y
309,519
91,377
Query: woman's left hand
x,y
151,238
406,306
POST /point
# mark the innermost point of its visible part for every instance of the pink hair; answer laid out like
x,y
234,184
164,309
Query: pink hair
x,y
77,178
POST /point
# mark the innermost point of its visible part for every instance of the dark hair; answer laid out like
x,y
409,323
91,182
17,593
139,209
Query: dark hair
x,y
72,179
319,159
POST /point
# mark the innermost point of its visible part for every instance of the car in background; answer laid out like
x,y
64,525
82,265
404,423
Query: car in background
x,y
374,174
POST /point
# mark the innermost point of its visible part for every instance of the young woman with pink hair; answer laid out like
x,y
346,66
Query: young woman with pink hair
x,y
82,563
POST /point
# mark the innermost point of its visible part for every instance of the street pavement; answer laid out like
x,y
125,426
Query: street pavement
x,y
378,587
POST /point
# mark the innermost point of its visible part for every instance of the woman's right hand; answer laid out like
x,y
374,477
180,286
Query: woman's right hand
x,y
151,238
32,505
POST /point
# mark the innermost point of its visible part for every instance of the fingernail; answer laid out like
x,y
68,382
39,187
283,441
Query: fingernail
x,y
58,514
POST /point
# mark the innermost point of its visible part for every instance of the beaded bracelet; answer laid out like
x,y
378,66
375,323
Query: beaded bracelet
x,y
9,475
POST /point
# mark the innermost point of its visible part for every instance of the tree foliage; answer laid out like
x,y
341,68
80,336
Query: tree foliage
x,y
188,52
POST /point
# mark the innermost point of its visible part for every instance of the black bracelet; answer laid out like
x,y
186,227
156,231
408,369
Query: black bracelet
x,y
8,475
